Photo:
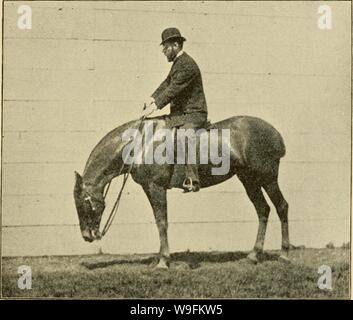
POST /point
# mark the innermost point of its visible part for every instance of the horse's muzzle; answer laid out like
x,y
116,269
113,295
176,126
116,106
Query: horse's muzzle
x,y
91,235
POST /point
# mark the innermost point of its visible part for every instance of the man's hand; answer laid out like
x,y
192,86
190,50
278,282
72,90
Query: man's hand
x,y
149,109
149,101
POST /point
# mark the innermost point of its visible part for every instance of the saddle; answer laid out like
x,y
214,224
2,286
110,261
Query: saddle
x,y
177,121
178,175
178,170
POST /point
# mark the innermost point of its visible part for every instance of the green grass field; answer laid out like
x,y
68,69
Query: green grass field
x,y
191,275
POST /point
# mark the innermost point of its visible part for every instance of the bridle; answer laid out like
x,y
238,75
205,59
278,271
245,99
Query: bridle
x,y
91,199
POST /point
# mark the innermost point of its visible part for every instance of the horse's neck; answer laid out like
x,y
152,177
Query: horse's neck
x,y
105,162
96,185
95,178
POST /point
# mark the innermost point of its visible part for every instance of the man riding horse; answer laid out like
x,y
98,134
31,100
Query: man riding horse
x,y
256,149
183,89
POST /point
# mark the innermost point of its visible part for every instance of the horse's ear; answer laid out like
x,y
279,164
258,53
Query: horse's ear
x,y
78,177
78,183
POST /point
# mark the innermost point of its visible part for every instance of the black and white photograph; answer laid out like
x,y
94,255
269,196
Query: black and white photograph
x,y
176,150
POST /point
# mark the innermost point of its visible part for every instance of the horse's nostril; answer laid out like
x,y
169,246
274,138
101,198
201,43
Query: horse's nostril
x,y
88,239
97,235
87,236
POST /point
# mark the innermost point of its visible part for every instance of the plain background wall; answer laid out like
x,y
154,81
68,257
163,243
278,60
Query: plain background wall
x,y
87,67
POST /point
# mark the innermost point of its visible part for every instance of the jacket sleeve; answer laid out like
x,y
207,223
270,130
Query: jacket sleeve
x,y
180,80
161,88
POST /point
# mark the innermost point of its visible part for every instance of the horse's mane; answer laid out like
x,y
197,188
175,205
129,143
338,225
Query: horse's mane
x,y
110,146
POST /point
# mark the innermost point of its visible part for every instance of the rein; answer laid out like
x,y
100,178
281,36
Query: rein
x,y
117,201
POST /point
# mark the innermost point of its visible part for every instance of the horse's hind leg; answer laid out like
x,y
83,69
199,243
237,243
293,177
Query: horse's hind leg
x,y
254,192
157,196
275,194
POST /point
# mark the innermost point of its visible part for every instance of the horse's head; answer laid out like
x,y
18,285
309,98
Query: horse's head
x,y
89,209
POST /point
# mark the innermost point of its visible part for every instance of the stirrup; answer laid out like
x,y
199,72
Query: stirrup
x,y
189,187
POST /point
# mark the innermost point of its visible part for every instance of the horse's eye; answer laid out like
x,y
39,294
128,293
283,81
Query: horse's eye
x,y
89,200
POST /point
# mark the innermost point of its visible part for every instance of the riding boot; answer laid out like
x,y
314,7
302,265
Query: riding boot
x,y
191,182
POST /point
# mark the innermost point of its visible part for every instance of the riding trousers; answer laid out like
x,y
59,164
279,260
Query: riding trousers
x,y
195,122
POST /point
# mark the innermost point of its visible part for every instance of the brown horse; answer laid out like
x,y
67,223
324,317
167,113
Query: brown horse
x,y
255,151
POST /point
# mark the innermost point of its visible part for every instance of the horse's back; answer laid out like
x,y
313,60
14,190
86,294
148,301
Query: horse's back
x,y
256,134
254,143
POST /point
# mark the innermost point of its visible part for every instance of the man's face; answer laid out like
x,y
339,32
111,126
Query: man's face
x,y
170,50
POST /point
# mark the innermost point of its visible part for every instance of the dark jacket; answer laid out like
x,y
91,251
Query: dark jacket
x,y
182,89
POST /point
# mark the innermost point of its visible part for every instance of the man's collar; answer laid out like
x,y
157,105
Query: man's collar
x,y
178,55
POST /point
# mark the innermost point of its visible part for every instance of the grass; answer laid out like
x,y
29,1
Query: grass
x,y
191,275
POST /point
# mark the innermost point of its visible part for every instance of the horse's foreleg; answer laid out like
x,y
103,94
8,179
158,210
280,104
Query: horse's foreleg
x,y
158,199
256,196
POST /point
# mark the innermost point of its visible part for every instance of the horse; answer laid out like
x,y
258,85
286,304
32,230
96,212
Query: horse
x,y
255,150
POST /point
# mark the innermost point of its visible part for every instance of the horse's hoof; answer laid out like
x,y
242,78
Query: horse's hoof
x,y
162,265
252,257
283,258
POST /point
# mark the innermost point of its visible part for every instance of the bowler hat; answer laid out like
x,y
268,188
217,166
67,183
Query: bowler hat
x,y
171,33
